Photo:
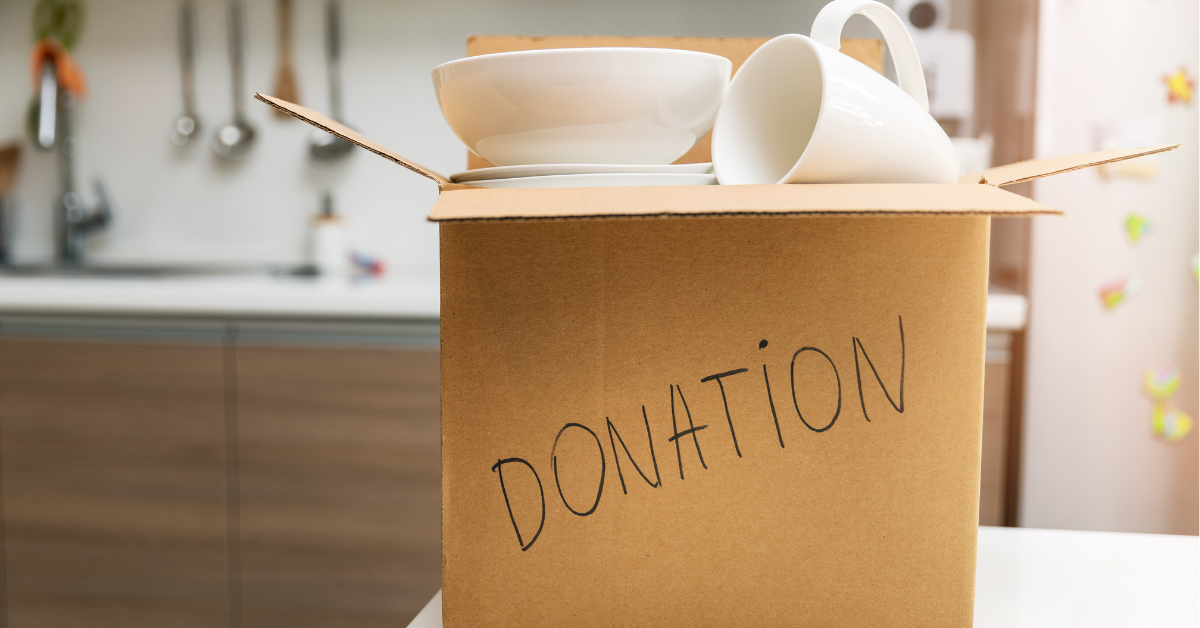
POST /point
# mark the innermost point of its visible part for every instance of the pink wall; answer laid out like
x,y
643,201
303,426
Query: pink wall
x,y
1090,460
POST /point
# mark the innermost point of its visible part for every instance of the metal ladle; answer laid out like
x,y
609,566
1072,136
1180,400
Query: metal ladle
x,y
234,140
188,124
325,145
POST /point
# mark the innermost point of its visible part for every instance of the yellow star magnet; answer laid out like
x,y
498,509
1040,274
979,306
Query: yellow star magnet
x,y
1179,86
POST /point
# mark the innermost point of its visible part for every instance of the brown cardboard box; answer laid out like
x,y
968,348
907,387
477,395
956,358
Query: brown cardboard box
x,y
714,405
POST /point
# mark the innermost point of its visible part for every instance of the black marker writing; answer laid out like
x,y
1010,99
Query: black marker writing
x,y
612,430
859,345
718,377
554,463
767,380
771,401
692,429
839,387
498,468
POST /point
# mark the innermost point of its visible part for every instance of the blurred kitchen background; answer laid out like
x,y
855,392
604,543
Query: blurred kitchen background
x,y
194,431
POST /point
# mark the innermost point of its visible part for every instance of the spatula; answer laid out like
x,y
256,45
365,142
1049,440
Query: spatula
x,y
10,155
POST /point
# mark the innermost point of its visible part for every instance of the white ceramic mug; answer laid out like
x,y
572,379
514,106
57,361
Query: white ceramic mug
x,y
800,111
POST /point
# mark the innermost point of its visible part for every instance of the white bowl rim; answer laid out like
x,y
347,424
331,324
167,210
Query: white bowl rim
x,y
591,50
594,177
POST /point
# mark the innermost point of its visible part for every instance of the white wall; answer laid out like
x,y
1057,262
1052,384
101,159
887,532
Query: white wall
x,y
1090,460
188,206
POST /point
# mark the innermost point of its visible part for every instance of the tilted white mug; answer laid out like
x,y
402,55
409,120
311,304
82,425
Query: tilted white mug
x,y
800,111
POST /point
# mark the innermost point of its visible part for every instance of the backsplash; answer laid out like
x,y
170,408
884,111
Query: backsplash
x,y
186,205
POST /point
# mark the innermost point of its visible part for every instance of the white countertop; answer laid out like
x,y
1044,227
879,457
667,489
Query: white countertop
x,y
1006,311
1066,579
264,296
1030,578
222,295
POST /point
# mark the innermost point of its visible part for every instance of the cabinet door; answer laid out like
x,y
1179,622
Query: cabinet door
x,y
113,484
994,459
339,485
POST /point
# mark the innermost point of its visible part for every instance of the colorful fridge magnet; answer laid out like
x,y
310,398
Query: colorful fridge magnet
x,y
1117,292
1159,384
1179,86
1137,226
1170,423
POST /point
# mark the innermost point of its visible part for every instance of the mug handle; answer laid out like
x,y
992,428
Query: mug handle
x,y
827,29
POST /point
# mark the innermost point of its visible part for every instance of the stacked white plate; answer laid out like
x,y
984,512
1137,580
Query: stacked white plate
x,y
587,176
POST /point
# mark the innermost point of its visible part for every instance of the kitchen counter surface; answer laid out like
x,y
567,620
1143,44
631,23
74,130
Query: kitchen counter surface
x,y
265,296
249,295
1031,578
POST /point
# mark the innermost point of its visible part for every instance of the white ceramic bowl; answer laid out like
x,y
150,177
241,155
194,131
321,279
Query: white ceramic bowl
x,y
545,170
582,105
601,180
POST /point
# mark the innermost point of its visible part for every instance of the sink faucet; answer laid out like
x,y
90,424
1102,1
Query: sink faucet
x,y
72,221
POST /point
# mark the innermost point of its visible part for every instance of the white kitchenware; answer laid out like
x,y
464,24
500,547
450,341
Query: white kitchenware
x,y
644,106
600,180
542,170
800,111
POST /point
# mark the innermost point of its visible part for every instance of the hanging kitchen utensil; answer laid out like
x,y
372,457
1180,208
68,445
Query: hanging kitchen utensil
x,y
234,139
57,26
285,77
62,20
188,124
324,145
10,157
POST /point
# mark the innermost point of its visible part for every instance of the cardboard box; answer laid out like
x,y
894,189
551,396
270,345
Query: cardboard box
x,y
714,405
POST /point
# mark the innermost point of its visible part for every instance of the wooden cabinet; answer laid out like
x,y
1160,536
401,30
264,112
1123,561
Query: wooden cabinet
x,y
1000,462
216,483
994,462
339,476
113,484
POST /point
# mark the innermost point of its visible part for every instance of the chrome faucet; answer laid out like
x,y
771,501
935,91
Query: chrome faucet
x,y
72,221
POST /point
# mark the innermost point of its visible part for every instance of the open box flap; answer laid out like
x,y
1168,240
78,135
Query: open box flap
x,y
903,199
470,202
330,125
1023,171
